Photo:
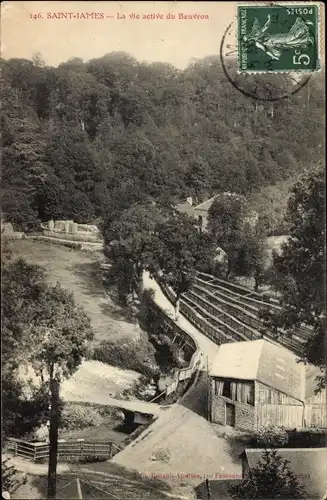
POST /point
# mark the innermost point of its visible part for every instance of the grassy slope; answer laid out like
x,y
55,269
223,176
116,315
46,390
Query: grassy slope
x,y
78,272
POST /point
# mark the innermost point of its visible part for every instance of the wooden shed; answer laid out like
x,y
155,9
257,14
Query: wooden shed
x,y
255,384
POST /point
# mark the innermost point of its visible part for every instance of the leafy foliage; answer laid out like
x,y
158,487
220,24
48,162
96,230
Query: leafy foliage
x,y
271,203
129,243
138,355
75,136
22,412
176,249
251,259
271,436
42,327
271,478
300,268
239,232
157,239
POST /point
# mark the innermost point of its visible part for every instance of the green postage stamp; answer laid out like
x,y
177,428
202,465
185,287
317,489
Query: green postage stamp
x,y
278,37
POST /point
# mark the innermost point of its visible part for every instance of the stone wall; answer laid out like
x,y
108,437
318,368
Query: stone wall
x,y
244,416
217,409
68,229
244,413
72,237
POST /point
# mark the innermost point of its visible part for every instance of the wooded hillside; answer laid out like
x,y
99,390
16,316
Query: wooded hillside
x,y
89,139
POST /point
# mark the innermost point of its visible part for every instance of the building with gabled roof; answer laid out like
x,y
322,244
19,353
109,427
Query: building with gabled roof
x,y
257,383
201,211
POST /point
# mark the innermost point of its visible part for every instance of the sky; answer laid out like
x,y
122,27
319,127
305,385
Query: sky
x,y
175,41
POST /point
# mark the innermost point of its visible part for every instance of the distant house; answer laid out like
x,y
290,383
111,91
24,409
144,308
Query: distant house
x,y
198,212
307,464
201,212
256,383
187,207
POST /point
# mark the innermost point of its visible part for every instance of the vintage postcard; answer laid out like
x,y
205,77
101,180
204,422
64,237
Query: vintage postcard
x,y
163,254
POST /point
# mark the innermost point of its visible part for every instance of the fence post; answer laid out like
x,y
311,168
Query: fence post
x,y
35,454
16,448
110,450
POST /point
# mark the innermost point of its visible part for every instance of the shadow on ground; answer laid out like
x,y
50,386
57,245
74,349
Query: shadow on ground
x,y
100,480
91,282
196,399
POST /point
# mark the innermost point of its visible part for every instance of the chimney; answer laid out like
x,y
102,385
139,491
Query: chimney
x,y
189,200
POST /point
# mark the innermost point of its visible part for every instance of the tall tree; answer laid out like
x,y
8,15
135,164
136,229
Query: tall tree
x,y
129,243
177,248
252,257
300,267
42,328
229,220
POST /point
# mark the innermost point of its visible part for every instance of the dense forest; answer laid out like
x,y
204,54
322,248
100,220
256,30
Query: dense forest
x,y
88,139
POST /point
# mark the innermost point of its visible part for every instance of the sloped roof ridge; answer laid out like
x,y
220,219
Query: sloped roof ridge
x,y
206,201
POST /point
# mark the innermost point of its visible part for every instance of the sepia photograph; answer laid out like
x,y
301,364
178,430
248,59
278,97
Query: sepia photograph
x,y
163,250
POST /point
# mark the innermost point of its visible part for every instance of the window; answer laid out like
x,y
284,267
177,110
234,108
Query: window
x,y
227,389
219,384
241,391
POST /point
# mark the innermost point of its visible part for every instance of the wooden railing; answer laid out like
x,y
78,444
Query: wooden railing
x,y
217,335
222,327
237,291
66,449
185,340
223,318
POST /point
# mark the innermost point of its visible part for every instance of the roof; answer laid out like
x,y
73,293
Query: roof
x,y
263,361
185,208
308,464
206,204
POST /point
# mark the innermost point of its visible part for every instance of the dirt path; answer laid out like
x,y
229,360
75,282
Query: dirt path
x,y
181,447
207,347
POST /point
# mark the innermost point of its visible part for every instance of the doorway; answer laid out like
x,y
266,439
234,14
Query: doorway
x,y
230,415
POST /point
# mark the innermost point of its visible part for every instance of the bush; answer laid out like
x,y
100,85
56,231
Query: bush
x,y
143,388
75,416
271,437
137,355
168,354
271,478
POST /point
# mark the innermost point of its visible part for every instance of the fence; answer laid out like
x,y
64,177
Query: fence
x,y
231,306
239,292
185,341
215,334
72,449
226,320
222,327
236,306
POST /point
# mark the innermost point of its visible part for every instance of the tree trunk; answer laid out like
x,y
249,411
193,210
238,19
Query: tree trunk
x,y
53,438
177,305
229,270
257,281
